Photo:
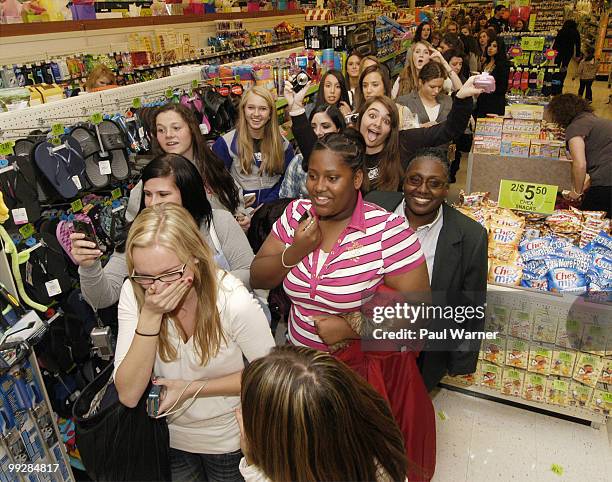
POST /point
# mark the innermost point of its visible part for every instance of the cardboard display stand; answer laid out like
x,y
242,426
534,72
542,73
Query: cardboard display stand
x,y
486,170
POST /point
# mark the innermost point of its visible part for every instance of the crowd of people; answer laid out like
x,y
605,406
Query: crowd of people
x,y
360,209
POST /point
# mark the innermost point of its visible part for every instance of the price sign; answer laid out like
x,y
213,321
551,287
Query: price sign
x,y
533,43
26,231
96,118
76,205
57,129
6,148
527,196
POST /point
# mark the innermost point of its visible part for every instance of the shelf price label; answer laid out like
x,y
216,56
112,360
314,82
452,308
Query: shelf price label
x,y
97,118
533,43
527,196
6,148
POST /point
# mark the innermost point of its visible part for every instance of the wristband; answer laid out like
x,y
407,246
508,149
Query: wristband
x,y
287,266
297,112
147,334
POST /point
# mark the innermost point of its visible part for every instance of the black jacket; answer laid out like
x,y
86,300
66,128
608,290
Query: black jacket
x,y
459,278
567,44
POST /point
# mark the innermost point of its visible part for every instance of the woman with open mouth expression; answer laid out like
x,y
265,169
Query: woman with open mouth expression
x,y
331,252
255,153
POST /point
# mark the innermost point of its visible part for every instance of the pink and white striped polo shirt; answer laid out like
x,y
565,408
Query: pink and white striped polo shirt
x,y
375,243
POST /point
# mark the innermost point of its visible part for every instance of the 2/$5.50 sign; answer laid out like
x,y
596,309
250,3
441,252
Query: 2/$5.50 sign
x,y
527,196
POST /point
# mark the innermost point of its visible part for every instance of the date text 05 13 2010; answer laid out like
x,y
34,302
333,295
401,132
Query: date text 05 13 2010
x,y
28,468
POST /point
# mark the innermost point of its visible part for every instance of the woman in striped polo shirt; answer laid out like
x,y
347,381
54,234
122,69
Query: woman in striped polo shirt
x,y
330,252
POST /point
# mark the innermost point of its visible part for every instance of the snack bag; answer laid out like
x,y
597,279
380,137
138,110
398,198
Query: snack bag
x,y
563,363
504,241
497,319
473,199
606,371
494,351
505,217
534,243
594,338
465,380
544,327
520,324
504,273
557,392
512,382
490,376
569,333
534,387
564,221
587,369
579,395
601,402
517,353
566,280
540,359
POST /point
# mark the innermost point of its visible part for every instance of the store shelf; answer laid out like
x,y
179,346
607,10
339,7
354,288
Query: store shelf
x,y
282,102
211,56
386,58
579,413
16,29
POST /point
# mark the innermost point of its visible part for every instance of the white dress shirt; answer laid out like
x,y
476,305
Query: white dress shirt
x,y
428,235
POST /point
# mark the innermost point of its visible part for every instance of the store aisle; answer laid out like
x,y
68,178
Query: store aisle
x,y
485,441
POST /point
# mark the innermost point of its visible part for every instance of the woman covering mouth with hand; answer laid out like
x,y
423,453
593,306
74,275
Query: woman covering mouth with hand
x,y
255,153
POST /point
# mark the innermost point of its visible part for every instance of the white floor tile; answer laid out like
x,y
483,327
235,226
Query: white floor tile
x,y
485,441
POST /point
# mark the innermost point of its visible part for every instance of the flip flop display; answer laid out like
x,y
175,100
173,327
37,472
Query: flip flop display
x,y
18,184
91,152
113,141
61,165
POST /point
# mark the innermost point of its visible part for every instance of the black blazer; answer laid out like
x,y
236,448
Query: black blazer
x,y
459,278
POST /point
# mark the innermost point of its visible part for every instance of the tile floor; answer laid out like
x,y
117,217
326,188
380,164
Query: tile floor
x,y
482,440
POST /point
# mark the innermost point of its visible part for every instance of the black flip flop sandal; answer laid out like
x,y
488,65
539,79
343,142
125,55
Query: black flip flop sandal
x,y
91,153
114,142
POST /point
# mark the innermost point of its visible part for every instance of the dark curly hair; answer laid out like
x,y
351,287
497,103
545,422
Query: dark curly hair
x,y
565,107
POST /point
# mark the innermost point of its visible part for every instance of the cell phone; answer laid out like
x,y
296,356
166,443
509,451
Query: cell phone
x,y
154,398
86,229
304,217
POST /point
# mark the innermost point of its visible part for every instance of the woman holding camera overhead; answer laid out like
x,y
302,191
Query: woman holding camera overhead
x,y
187,324
255,153
387,147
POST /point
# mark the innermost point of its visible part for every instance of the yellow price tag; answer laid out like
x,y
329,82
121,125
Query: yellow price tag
x,y
76,205
26,231
116,193
6,148
96,118
137,103
56,141
195,83
169,94
57,129
527,196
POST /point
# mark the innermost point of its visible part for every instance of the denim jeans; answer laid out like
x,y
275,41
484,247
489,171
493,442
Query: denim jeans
x,y
189,467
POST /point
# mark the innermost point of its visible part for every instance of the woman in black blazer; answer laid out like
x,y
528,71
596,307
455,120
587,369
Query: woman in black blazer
x,y
497,65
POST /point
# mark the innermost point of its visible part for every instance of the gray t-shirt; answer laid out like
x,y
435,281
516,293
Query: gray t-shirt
x,y
597,134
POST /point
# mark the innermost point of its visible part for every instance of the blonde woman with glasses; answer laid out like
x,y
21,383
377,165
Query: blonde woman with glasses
x,y
187,324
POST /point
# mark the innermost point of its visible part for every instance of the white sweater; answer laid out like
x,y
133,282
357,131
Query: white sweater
x,y
209,425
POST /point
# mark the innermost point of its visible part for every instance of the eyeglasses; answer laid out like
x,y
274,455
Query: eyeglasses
x,y
164,278
432,183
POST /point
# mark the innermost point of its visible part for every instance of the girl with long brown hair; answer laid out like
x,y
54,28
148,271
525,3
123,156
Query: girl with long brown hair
x,y
255,153
327,409
187,324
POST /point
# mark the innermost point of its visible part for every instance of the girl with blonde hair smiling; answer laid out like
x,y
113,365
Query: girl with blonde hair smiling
x,y
189,323
255,153
307,416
